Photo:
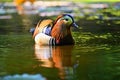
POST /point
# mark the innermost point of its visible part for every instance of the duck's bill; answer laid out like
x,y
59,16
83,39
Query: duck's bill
x,y
75,25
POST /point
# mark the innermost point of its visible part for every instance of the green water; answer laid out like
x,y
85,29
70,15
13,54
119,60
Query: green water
x,y
19,56
93,57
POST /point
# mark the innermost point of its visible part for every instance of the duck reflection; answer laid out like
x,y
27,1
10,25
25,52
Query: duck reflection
x,y
55,57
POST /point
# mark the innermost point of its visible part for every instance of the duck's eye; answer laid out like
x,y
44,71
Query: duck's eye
x,y
66,19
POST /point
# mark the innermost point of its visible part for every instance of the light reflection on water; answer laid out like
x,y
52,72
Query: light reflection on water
x,y
56,57
23,77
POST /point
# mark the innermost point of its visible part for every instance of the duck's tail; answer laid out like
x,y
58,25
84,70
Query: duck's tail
x,y
32,30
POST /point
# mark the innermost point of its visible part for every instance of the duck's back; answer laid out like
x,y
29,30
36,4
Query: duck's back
x,y
42,25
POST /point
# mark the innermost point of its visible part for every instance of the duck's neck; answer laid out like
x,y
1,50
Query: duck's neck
x,y
62,37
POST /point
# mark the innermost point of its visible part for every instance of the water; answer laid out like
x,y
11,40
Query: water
x,y
21,59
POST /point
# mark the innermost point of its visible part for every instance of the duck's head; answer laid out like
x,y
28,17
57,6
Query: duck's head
x,y
67,19
61,29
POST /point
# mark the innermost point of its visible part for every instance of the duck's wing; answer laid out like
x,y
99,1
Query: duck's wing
x,y
41,25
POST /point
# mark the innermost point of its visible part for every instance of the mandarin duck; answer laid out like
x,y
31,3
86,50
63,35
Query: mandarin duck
x,y
58,32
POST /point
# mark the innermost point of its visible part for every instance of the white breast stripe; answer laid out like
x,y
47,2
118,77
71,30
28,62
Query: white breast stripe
x,y
52,42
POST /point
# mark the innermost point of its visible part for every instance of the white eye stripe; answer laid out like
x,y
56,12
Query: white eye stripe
x,y
66,18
